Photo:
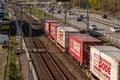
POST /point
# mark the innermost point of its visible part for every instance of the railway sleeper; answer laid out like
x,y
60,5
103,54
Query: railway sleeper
x,y
90,75
38,50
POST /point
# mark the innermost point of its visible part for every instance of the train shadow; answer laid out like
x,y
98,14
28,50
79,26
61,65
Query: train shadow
x,y
28,29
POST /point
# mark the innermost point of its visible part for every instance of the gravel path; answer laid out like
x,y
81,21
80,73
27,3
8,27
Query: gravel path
x,y
2,60
25,69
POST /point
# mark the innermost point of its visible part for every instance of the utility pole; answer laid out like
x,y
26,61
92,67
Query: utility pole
x,y
118,11
65,13
87,29
79,6
30,28
21,34
30,37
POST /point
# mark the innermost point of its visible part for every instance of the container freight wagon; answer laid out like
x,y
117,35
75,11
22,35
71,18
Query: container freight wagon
x,y
63,36
53,30
42,22
79,47
105,62
47,25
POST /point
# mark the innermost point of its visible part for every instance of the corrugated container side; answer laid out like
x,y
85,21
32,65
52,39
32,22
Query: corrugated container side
x,y
75,48
63,37
86,51
47,25
53,30
60,36
80,49
104,65
66,43
43,22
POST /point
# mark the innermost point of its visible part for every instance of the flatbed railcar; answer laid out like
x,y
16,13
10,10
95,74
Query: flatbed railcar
x,y
89,52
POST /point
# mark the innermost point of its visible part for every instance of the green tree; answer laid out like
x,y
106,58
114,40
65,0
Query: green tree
x,y
95,4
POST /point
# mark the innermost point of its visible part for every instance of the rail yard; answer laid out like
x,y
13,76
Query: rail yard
x,y
49,49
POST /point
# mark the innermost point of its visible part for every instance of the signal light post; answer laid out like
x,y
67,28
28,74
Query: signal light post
x,y
65,17
65,13
87,31
86,6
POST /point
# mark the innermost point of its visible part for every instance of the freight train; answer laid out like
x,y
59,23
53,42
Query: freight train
x,y
102,61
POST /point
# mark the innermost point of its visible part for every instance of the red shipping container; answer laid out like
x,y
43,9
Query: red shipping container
x,y
53,29
79,47
47,25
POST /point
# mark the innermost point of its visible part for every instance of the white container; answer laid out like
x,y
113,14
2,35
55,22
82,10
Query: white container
x,y
105,62
63,35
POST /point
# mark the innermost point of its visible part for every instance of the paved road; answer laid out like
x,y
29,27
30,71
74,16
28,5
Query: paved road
x,y
96,16
102,28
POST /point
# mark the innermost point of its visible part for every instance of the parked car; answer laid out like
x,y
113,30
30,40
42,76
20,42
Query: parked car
x,y
78,19
93,27
59,11
115,29
104,16
5,19
81,16
70,13
4,38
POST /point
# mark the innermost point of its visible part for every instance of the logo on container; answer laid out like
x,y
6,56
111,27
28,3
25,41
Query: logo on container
x,y
61,35
102,66
53,30
75,47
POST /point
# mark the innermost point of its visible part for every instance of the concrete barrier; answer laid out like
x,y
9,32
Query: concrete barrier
x,y
30,63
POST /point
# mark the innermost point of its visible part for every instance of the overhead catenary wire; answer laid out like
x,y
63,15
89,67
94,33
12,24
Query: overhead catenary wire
x,y
30,28
21,34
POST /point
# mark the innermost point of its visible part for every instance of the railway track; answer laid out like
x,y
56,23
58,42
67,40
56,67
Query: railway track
x,y
53,69
45,65
37,60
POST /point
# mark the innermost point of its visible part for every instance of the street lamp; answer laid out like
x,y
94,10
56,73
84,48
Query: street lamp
x,y
21,34
59,3
65,17
118,11
30,28
65,13
118,21
87,7
79,6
